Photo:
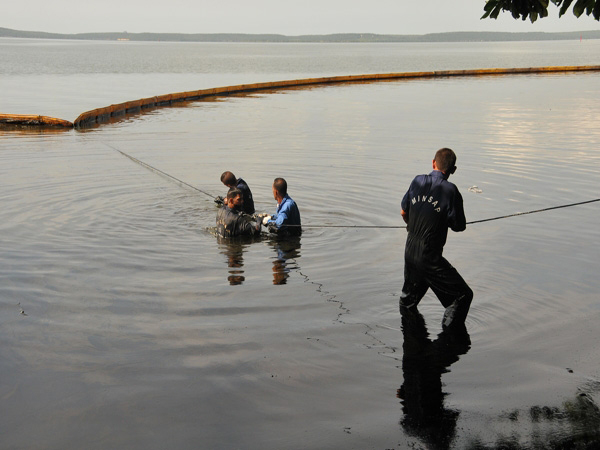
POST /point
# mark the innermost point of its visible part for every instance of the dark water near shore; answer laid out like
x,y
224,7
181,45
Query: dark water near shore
x,y
140,329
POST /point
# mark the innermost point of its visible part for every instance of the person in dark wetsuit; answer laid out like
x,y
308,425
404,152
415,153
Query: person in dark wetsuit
x,y
231,221
431,205
229,180
286,220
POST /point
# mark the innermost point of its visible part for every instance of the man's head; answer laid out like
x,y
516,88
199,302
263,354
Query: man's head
x,y
235,199
228,179
445,161
279,189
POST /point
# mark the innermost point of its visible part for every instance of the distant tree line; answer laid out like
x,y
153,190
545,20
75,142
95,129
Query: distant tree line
x,y
465,36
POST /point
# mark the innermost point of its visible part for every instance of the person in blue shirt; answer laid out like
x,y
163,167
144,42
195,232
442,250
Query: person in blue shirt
x,y
286,220
431,205
229,180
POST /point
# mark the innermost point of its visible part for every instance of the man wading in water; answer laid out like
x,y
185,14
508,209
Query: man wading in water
x,y
286,220
231,221
229,180
431,205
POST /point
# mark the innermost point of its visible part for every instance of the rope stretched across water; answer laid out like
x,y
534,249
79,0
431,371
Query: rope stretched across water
x,y
550,208
468,223
154,169
535,211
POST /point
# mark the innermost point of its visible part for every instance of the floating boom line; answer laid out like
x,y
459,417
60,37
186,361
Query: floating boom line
x,y
114,112
102,115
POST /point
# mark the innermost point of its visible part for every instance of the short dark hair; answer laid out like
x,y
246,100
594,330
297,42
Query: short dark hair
x,y
280,186
228,179
233,193
445,159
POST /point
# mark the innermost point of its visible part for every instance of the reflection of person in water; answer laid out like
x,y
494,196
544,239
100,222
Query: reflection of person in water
x,y
233,249
287,249
423,363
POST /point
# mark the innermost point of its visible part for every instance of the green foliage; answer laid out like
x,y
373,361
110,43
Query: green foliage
x,y
533,9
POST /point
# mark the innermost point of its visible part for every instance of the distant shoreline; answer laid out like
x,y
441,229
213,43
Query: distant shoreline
x,y
462,36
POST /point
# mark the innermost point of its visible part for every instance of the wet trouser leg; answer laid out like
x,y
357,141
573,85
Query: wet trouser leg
x,y
446,283
454,293
414,288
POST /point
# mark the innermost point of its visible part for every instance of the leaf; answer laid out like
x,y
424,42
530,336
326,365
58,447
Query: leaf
x,y
589,7
579,8
490,5
565,7
492,8
541,8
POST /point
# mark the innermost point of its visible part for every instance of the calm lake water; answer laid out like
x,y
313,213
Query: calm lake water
x,y
125,323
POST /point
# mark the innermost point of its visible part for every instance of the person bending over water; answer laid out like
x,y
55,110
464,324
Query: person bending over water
x,y
231,221
431,205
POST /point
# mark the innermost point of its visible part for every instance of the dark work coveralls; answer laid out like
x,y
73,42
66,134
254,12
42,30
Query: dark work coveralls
x,y
433,205
247,194
232,223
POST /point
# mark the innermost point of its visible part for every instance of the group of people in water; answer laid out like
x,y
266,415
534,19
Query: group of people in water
x,y
430,206
237,216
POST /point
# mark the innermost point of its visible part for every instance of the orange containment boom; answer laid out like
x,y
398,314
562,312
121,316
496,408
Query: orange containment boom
x,y
33,120
101,115
109,113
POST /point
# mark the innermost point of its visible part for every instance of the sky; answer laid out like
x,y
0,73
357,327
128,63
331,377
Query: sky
x,y
286,17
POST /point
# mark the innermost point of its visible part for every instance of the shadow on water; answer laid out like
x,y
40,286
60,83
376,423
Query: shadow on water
x,y
423,363
286,250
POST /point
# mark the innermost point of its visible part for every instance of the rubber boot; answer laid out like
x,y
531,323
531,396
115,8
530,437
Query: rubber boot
x,y
456,313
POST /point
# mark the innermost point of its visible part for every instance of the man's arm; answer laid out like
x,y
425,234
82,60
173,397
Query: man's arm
x,y
247,226
456,219
280,218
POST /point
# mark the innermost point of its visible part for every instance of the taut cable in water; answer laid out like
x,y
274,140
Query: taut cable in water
x,y
468,223
154,169
534,211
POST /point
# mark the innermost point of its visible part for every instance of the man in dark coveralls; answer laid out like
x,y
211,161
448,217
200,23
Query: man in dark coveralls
x,y
229,180
230,219
431,205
